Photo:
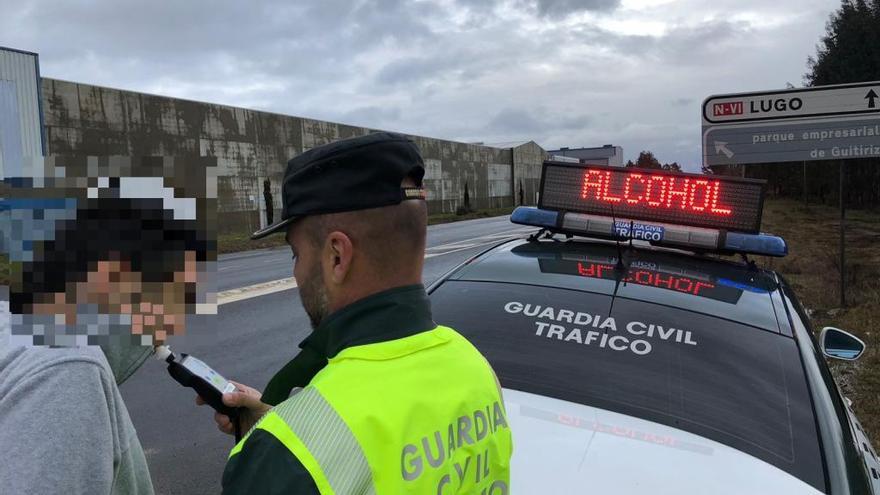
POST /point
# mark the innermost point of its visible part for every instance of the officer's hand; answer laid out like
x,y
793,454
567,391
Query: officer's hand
x,y
245,397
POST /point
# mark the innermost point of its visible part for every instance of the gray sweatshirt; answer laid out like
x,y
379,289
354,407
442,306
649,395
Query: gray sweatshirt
x,y
63,426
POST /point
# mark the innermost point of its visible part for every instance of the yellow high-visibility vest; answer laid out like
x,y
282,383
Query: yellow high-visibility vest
x,y
420,414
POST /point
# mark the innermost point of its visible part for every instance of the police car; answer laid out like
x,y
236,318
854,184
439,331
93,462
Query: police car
x,y
637,359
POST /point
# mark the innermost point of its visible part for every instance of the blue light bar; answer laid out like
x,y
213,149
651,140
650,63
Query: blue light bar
x,y
529,215
741,286
679,236
764,244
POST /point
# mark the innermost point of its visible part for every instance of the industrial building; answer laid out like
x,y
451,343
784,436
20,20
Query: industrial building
x,y
603,155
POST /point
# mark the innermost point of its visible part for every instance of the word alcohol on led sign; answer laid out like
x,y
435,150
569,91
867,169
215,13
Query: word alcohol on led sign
x,y
685,199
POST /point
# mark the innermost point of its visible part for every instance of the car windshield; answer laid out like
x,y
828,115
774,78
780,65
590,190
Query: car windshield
x,y
736,384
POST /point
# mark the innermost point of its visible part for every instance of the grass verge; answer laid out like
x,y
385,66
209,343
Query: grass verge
x,y
813,270
4,269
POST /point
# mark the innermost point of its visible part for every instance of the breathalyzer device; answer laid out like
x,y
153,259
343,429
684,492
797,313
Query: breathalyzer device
x,y
195,374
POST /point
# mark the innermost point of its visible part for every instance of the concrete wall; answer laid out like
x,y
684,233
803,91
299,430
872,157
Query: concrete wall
x,y
251,146
527,161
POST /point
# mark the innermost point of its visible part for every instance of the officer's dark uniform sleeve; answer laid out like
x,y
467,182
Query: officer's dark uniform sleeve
x,y
265,466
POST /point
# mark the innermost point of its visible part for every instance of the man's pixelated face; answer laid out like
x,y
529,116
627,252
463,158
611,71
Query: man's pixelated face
x,y
112,249
162,309
307,272
157,309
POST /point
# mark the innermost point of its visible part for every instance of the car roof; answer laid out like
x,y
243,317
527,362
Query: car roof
x,y
737,291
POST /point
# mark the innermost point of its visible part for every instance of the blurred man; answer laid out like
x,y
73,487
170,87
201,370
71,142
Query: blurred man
x,y
118,276
63,425
399,403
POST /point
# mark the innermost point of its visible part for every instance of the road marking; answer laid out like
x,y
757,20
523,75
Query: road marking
x,y
483,239
457,246
431,255
266,288
262,289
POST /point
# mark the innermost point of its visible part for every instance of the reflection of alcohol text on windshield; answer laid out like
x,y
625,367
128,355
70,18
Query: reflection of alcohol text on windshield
x,y
645,277
649,275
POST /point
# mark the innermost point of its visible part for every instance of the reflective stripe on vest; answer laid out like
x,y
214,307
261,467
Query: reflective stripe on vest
x,y
312,430
329,441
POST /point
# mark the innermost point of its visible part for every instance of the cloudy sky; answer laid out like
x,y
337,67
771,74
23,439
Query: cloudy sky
x,y
560,72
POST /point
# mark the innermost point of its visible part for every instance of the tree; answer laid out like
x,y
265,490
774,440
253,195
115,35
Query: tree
x,y
646,159
850,50
466,206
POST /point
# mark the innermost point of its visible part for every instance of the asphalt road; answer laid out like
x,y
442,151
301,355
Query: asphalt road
x,y
247,341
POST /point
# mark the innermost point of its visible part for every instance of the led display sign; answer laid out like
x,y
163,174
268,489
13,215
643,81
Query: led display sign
x,y
697,200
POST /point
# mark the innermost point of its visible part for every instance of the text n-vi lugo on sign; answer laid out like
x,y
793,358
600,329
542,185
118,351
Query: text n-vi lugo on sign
x,y
793,125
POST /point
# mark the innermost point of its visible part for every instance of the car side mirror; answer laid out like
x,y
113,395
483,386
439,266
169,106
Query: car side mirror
x,y
838,344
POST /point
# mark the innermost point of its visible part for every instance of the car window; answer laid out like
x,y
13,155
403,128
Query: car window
x,y
666,278
735,384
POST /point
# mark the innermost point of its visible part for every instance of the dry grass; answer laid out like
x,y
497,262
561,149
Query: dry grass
x,y
233,243
813,267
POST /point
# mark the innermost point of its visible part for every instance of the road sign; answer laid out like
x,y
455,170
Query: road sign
x,y
778,141
818,101
793,125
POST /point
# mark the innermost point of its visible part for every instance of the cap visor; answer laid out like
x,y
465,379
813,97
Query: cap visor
x,y
271,229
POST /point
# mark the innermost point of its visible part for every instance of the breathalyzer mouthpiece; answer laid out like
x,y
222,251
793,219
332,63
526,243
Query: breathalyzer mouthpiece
x,y
163,352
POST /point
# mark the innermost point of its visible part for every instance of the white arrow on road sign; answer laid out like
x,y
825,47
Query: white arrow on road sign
x,y
721,147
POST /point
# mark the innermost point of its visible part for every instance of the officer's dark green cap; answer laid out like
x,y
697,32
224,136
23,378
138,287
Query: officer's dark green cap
x,y
347,175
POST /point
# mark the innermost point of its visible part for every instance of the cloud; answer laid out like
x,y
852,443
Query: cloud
x,y
562,73
562,8
371,116
523,122
542,8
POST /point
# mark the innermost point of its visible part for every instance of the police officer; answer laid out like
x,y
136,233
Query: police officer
x,y
392,402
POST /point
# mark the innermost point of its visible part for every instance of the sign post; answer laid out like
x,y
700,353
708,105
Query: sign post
x,y
805,183
842,237
820,123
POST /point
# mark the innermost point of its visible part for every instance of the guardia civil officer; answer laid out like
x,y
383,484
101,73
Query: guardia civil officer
x,y
391,401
